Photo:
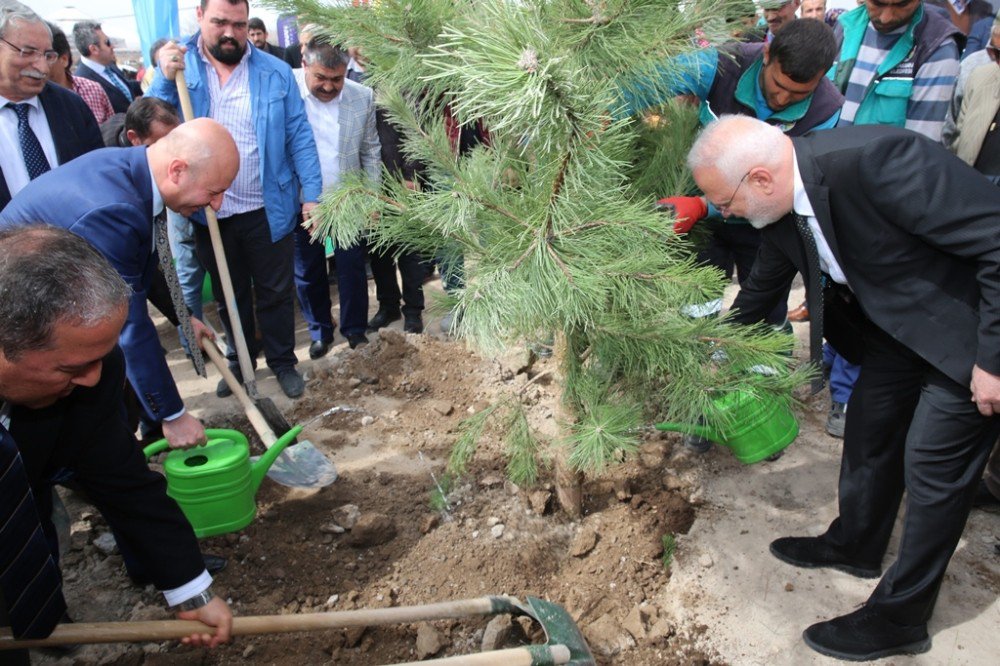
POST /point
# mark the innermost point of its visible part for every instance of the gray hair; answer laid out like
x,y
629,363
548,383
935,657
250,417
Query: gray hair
x,y
735,144
85,36
15,12
319,51
49,276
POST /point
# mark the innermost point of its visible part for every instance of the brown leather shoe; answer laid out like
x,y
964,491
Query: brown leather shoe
x,y
800,313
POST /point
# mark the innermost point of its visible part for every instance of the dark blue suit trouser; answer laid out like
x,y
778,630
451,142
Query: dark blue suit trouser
x,y
313,287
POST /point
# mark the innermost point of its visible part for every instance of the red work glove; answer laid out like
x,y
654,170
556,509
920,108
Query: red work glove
x,y
686,210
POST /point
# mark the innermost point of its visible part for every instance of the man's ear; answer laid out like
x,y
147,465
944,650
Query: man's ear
x,y
767,53
762,179
133,138
176,169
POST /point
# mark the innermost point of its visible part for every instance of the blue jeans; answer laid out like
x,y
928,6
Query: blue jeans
x,y
190,272
843,374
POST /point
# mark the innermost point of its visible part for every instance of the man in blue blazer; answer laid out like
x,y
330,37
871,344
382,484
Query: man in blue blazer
x,y
110,197
255,97
61,122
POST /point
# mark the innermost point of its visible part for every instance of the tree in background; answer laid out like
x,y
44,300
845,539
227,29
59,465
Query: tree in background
x,y
554,217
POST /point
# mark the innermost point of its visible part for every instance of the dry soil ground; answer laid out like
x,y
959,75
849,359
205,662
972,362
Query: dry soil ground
x,y
722,599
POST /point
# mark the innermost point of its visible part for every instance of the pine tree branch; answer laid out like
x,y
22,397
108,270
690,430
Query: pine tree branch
x,y
524,256
562,265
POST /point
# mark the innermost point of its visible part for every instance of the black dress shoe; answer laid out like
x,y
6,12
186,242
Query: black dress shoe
x,y
318,349
214,563
984,499
291,382
864,635
223,390
357,340
383,318
814,553
413,324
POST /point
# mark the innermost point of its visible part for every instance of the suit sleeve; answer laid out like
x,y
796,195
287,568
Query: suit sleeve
x,y
931,194
772,273
123,234
371,148
300,143
110,467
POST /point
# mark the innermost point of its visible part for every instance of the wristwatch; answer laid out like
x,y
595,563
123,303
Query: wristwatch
x,y
197,601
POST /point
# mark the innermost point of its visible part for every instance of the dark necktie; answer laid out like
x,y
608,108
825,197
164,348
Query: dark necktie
x,y
31,149
29,577
814,299
117,81
174,284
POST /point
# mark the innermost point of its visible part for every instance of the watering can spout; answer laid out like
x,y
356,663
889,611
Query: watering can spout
x,y
259,468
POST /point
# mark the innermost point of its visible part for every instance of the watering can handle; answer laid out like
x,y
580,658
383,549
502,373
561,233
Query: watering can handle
x,y
211,434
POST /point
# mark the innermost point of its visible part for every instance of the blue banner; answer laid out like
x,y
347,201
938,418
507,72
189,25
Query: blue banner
x,y
155,19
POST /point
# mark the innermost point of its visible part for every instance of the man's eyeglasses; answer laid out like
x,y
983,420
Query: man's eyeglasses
x,y
729,203
994,53
107,42
30,53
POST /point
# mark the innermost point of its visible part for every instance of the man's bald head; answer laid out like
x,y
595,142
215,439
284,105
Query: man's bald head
x,y
745,168
194,165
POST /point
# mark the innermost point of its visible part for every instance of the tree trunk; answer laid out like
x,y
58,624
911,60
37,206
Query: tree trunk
x,y
569,486
568,481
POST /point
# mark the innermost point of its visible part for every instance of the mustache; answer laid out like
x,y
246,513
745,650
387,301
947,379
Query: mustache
x,y
228,40
35,74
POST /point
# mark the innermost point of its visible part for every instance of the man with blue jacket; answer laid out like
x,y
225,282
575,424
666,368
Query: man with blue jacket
x,y
256,98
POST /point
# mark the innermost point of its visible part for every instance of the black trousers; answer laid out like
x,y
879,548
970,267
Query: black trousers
x,y
910,428
733,246
411,269
261,270
11,657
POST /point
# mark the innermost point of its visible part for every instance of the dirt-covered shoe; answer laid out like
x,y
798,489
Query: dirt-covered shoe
x,y
837,420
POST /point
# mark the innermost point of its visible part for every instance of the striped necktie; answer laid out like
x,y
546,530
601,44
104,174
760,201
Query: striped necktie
x,y
119,83
29,578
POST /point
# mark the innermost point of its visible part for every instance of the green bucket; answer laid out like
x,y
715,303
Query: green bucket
x,y
756,429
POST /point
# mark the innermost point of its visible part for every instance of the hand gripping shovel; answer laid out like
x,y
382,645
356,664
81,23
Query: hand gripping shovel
x,y
301,465
564,644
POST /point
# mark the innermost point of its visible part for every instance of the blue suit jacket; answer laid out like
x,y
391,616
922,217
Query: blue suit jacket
x,y
74,128
288,158
106,197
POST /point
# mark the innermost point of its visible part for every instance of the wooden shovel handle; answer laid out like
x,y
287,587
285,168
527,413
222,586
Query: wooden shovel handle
x,y
257,419
162,630
239,340
557,654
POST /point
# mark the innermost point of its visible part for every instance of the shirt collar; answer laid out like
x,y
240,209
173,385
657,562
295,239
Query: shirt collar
x,y
800,199
94,65
32,101
158,204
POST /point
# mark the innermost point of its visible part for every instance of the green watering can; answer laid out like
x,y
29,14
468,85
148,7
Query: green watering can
x,y
758,428
215,484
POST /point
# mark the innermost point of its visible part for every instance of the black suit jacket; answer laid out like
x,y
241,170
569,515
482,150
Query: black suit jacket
x,y
118,100
917,234
74,128
85,433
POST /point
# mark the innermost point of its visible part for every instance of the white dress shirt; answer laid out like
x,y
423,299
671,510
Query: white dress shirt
x,y
11,161
801,205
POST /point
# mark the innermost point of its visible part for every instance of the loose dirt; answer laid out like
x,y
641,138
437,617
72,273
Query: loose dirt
x,y
379,537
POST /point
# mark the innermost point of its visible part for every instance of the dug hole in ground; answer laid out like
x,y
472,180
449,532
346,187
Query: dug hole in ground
x,y
373,540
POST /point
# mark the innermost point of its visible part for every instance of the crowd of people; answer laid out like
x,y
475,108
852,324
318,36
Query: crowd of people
x,y
857,148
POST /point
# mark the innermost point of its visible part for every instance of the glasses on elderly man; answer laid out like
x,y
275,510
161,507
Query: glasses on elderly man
x,y
31,53
994,53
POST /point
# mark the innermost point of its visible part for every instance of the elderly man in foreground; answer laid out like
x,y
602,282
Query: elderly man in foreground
x,y
900,245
